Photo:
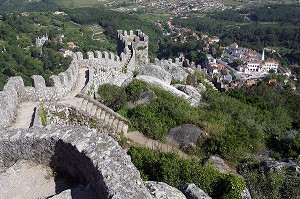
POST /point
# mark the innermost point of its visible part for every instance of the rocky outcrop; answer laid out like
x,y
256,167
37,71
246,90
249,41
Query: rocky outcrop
x,y
200,87
278,166
158,72
163,85
191,191
190,91
185,135
146,97
177,72
220,164
160,190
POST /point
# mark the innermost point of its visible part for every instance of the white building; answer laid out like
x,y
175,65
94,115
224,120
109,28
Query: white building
x,y
39,42
260,66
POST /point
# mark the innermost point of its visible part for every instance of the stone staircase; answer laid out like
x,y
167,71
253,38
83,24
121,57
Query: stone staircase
x,y
97,110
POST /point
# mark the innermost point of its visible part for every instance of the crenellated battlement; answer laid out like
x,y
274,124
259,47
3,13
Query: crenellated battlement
x,y
137,42
132,36
103,67
15,91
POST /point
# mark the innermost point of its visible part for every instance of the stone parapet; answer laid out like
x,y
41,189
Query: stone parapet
x,y
85,154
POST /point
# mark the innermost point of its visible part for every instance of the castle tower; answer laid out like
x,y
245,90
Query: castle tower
x,y
263,55
137,42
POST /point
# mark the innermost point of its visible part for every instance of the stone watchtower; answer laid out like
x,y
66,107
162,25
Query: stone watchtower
x,y
137,43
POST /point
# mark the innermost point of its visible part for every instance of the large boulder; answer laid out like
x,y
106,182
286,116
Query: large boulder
x,y
146,97
190,91
219,164
167,87
186,135
191,191
177,72
160,190
158,72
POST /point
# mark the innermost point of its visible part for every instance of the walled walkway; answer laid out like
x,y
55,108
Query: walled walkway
x,y
26,110
70,97
26,113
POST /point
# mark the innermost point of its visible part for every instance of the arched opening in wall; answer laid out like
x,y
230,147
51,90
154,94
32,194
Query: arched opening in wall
x,y
46,168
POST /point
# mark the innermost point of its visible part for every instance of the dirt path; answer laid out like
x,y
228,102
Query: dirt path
x,y
142,140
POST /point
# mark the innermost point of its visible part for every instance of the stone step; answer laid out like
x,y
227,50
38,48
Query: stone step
x,y
98,113
102,116
93,111
83,105
111,120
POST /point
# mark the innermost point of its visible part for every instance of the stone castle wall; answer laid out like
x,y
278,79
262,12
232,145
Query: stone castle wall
x,y
89,112
15,91
85,154
136,41
104,67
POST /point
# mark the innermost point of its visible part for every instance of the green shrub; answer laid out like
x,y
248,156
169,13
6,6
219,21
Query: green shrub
x,y
112,96
134,89
165,112
169,168
233,186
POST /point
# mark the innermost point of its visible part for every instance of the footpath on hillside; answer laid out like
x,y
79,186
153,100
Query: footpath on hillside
x,y
146,142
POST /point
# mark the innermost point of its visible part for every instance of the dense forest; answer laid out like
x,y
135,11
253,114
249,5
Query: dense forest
x,y
20,57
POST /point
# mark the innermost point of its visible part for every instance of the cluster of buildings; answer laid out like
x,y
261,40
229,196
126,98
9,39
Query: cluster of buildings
x,y
252,67
184,7
251,61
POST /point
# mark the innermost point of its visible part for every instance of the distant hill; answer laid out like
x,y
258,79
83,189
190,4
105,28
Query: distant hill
x,y
25,5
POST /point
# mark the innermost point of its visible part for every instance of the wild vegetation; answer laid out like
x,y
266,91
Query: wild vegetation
x,y
169,168
240,124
